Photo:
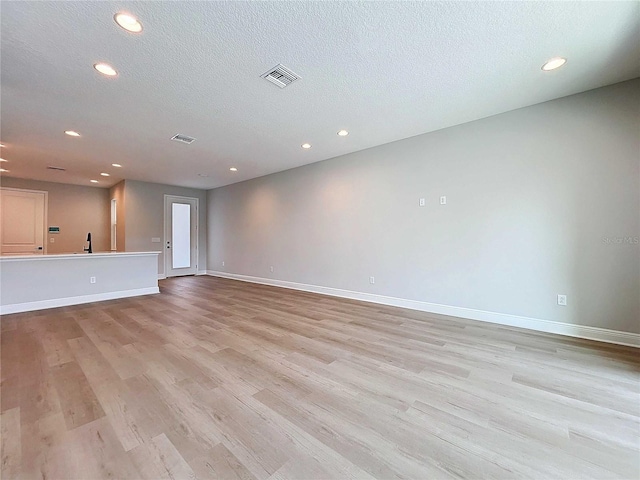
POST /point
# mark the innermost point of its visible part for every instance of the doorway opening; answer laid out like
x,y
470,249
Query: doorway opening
x,y
114,225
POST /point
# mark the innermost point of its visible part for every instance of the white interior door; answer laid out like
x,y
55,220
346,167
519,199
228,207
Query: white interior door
x,y
181,235
22,222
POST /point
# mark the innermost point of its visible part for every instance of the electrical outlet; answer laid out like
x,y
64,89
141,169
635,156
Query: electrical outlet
x,y
271,268
223,264
372,280
423,202
562,300
443,200
52,240
92,280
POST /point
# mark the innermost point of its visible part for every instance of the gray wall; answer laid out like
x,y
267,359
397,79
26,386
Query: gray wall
x,y
48,281
532,196
144,218
77,210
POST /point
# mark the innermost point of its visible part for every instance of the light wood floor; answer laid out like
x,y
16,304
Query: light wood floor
x,y
221,379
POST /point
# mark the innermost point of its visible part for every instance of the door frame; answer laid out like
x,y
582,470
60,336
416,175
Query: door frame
x,y
45,216
167,234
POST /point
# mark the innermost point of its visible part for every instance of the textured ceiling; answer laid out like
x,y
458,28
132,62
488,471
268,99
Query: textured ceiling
x,y
382,70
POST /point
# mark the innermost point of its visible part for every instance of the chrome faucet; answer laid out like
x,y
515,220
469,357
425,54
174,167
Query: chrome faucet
x,y
88,250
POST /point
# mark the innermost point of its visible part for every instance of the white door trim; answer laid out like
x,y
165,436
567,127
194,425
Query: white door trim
x,y
167,236
45,220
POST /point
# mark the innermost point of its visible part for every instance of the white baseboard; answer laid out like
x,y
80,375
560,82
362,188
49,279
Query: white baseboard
x,y
64,302
201,272
548,326
161,276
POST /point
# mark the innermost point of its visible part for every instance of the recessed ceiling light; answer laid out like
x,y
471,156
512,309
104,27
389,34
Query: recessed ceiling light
x,y
2,160
1,145
233,169
104,174
2,170
94,181
71,133
306,146
554,63
116,165
128,22
343,133
105,69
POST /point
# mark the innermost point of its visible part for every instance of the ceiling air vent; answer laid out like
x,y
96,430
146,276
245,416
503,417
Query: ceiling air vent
x,y
57,169
178,137
280,76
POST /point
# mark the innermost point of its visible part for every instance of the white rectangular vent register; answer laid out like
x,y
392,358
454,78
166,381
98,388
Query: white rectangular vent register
x,y
280,76
183,138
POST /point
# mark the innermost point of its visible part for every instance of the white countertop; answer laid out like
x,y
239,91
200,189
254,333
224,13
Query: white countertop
x,y
60,256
